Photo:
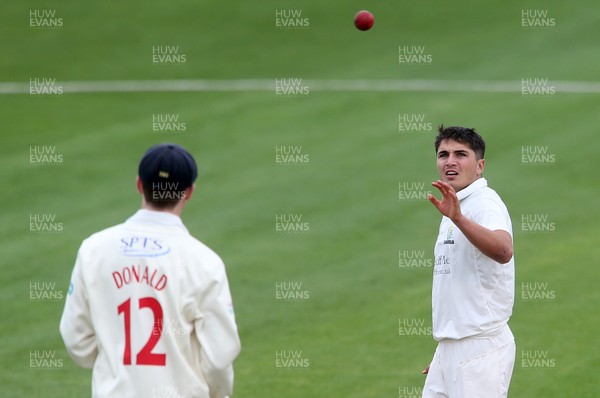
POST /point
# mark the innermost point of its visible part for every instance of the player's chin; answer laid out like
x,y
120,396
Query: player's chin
x,y
453,183
452,180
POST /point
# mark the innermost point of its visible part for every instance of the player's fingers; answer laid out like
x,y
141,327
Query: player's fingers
x,y
446,192
425,371
438,186
433,200
449,191
437,203
446,188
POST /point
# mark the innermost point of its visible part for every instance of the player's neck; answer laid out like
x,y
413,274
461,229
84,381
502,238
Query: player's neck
x,y
177,210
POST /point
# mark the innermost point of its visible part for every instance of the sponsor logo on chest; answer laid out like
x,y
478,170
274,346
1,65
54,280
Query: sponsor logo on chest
x,y
449,236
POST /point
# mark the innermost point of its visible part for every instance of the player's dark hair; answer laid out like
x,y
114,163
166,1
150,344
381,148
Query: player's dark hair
x,y
464,135
161,195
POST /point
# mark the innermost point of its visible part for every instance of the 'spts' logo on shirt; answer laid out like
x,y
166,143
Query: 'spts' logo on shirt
x,y
449,237
141,246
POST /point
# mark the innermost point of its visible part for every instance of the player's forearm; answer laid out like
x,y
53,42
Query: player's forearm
x,y
495,244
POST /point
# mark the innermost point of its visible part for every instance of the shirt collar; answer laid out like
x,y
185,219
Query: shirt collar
x,y
158,218
475,186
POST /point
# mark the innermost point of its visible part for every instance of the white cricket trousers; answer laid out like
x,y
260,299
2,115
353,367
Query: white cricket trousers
x,y
473,367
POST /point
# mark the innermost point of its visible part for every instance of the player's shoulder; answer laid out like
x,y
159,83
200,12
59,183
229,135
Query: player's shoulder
x,y
198,247
101,236
488,192
200,261
487,198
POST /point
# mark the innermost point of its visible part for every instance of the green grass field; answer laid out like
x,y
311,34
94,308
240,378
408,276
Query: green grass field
x,y
347,326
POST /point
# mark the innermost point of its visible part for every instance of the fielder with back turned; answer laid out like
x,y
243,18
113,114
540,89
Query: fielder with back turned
x,y
149,306
473,276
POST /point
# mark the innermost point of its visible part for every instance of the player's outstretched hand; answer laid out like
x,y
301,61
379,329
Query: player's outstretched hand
x,y
449,205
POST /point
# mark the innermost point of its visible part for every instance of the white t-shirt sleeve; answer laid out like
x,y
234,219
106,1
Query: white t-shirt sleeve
x,y
217,334
493,216
76,326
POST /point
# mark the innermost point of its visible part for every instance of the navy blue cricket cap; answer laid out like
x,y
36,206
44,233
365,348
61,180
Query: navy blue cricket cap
x,y
168,163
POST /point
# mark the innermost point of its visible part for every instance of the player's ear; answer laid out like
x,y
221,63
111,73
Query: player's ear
x,y
138,184
189,192
480,166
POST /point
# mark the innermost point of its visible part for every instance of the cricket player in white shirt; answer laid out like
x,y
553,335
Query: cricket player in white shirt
x,y
473,276
149,307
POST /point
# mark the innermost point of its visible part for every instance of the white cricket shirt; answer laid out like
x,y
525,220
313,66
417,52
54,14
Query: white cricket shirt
x,y
472,294
149,309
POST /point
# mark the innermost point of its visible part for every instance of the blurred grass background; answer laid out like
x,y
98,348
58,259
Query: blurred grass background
x,y
348,192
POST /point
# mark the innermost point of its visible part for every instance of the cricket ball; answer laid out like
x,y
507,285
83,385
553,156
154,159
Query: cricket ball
x,y
364,20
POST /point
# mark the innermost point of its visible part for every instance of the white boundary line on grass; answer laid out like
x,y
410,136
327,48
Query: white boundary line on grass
x,y
137,86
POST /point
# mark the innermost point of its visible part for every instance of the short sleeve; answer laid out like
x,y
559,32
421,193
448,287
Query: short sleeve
x,y
492,215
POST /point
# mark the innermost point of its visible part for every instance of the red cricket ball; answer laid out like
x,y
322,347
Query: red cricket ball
x,y
364,20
